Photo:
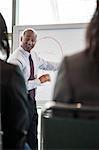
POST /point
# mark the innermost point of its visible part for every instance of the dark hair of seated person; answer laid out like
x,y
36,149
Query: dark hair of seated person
x,y
4,44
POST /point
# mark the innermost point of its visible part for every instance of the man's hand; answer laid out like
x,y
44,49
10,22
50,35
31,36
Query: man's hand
x,y
44,78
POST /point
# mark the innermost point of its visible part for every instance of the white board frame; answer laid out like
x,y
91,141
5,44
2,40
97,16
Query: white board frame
x,y
54,27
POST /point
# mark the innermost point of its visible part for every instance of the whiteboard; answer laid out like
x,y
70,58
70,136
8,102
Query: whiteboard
x,y
53,43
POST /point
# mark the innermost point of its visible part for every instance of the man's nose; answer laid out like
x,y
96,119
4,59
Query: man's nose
x,y
30,42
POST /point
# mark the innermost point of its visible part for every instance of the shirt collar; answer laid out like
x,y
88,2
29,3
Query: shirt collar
x,y
25,53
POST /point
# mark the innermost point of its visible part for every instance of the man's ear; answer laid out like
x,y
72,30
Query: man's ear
x,y
21,38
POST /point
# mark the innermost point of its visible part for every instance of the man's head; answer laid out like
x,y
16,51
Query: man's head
x,y
28,39
4,44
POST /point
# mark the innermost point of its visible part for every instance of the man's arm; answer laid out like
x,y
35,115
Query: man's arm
x,y
47,65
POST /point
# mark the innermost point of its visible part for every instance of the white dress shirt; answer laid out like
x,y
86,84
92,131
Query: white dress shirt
x,y
20,57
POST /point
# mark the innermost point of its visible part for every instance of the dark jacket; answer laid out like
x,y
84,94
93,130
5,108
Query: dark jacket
x,y
78,80
14,106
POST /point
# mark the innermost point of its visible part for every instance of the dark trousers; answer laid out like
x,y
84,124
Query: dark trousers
x,y
32,132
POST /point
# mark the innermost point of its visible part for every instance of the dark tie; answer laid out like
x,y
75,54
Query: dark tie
x,y
31,92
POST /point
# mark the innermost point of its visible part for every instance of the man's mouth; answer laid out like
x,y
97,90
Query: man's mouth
x,y
29,46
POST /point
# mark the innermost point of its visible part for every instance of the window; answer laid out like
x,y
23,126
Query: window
x,y
36,12
6,10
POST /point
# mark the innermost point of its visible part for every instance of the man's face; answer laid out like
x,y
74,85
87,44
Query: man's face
x,y
28,40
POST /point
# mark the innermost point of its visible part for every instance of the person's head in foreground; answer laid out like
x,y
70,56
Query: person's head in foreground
x,y
78,77
4,44
92,35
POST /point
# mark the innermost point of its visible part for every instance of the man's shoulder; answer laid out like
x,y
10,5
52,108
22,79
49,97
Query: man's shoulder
x,y
17,52
7,69
76,58
5,65
77,55
16,55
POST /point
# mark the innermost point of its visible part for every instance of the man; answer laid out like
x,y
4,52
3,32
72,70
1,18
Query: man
x,y
29,67
13,98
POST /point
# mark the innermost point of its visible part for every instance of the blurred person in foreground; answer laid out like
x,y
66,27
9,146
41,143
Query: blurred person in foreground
x,y
13,98
29,62
78,77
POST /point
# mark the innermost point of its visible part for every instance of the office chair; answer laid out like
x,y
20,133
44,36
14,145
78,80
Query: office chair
x,y
67,126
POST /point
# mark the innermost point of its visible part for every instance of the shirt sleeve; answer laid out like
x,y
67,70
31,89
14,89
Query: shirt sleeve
x,y
47,65
31,84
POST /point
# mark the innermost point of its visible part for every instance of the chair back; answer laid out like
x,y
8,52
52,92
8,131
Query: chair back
x,y
70,127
